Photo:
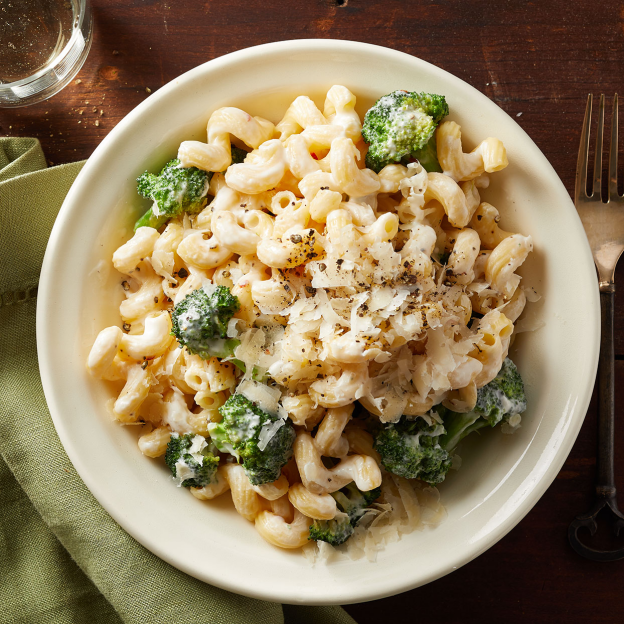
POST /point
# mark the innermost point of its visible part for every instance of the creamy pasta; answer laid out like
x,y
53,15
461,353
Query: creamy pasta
x,y
361,297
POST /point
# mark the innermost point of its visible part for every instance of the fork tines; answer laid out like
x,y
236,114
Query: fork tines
x,y
595,191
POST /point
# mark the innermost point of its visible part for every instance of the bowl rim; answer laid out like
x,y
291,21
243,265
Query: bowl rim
x,y
46,359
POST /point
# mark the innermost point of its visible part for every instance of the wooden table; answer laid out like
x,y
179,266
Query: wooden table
x,y
537,58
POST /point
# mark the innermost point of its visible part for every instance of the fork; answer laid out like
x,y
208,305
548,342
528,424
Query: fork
x,y
603,220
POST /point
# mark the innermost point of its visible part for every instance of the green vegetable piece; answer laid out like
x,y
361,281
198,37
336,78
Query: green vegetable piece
x,y
244,432
352,504
415,450
175,190
238,155
458,426
411,448
399,125
189,453
145,183
200,320
428,156
335,531
503,397
149,220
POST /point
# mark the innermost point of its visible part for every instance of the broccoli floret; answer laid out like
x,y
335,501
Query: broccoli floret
x,y
244,431
175,190
238,155
497,401
428,155
458,426
190,460
150,220
200,320
503,397
411,448
352,504
335,531
399,125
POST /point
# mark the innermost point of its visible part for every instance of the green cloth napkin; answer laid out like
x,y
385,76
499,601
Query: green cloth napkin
x,y
63,559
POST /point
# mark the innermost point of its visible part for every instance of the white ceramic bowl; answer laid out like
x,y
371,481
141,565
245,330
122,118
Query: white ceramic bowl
x,y
502,477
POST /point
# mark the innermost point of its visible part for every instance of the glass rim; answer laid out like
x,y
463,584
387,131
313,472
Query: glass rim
x,y
76,32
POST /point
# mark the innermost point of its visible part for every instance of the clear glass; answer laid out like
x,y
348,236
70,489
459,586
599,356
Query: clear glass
x,y
43,45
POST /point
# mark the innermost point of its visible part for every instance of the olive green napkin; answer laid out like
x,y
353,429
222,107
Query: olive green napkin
x,y
63,559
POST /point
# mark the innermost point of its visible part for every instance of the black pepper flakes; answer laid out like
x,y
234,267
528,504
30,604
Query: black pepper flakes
x,y
126,327
125,285
183,272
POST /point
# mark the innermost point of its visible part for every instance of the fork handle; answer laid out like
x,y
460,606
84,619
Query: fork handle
x,y
605,481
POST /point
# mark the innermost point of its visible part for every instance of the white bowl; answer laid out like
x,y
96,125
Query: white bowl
x,y
502,477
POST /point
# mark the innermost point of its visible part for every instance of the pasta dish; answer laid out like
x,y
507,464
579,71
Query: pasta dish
x,y
316,313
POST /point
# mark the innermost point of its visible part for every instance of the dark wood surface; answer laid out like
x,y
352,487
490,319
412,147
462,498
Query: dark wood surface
x,y
537,58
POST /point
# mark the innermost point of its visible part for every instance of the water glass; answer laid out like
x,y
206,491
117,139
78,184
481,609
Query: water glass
x,y
43,45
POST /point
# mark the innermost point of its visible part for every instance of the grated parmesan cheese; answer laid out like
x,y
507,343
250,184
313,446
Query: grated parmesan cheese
x,y
264,396
268,431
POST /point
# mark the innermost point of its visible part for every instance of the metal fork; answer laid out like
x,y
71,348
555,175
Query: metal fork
x,y
603,219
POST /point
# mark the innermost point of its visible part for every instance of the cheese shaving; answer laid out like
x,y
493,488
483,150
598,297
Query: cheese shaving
x,y
268,431
264,396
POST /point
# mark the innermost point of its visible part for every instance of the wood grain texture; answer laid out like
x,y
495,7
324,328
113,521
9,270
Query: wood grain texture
x,y
537,58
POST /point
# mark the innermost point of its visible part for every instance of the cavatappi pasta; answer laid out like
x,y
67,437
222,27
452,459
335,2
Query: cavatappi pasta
x,y
396,291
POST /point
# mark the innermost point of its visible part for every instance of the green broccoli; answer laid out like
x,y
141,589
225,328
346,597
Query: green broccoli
x,y
261,442
352,504
149,219
190,460
413,449
457,426
399,125
428,155
200,320
335,531
175,190
497,401
238,155
503,397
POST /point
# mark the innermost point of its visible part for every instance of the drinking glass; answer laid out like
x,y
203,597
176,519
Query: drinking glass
x,y
43,45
